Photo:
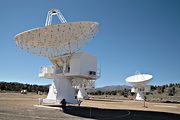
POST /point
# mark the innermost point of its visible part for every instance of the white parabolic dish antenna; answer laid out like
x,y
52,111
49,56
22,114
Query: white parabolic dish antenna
x,y
61,43
56,40
139,82
139,79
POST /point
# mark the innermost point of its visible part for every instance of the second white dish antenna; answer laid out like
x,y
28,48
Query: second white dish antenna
x,y
139,82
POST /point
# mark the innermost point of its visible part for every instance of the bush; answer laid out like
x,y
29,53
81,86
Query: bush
x,y
172,91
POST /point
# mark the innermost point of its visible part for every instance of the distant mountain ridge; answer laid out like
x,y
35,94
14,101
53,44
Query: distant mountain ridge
x,y
113,87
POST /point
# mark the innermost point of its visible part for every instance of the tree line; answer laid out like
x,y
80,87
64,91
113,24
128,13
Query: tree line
x,y
124,92
170,89
17,87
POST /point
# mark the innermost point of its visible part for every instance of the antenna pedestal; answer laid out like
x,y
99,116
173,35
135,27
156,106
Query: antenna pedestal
x,y
82,94
140,95
64,89
61,89
52,93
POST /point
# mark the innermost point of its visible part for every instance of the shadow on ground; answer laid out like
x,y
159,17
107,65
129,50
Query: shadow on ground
x,y
113,114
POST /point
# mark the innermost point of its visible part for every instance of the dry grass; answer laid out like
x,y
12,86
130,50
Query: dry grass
x,y
15,106
133,105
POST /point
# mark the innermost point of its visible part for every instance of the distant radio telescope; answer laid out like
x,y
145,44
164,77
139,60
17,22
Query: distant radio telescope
x,y
139,82
60,43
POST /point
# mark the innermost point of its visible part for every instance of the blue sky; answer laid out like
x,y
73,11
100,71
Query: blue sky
x,y
135,35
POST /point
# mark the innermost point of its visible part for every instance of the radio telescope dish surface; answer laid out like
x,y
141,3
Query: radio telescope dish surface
x,y
139,78
57,40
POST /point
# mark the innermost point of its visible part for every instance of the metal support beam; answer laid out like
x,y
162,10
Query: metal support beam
x,y
53,12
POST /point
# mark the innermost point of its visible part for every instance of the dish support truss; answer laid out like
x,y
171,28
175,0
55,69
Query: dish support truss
x,y
53,12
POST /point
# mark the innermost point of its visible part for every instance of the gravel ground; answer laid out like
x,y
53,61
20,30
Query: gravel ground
x,y
15,106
